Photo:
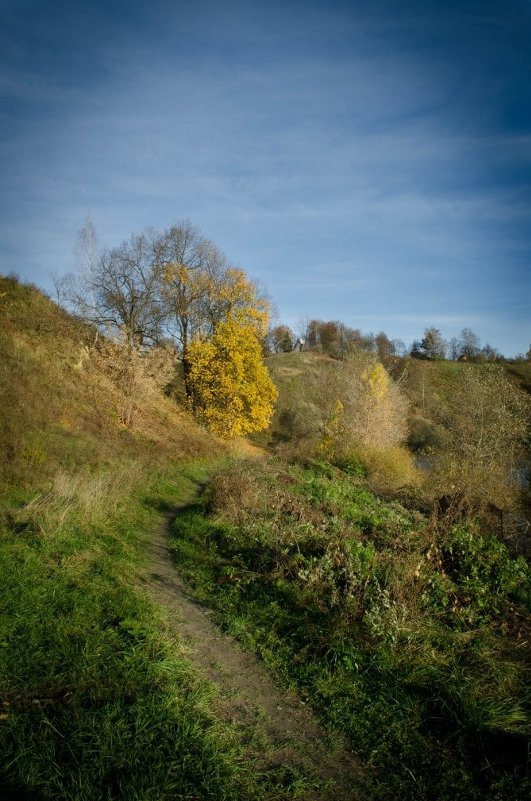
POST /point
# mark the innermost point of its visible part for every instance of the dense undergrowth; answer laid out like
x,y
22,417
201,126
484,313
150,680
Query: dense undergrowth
x,y
408,638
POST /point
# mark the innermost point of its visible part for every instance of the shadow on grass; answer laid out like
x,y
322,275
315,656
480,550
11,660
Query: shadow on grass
x,y
9,792
171,508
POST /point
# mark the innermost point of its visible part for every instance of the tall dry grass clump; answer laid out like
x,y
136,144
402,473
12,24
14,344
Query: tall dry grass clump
x,y
139,375
90,498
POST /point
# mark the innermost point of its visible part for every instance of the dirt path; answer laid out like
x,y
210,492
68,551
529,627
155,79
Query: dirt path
x,y
277,728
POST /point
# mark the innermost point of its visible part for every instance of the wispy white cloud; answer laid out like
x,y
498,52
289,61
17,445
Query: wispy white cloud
x,y
331,160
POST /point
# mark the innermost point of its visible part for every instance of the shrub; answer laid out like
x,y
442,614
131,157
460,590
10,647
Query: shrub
x,y
231,390
390,470
486,422
424,435
483,572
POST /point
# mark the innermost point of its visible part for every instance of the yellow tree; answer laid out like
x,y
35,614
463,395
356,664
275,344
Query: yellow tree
x,y
200,291
231,390
232,295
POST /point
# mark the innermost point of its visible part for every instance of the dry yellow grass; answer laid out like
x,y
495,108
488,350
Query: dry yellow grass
x,y
60,407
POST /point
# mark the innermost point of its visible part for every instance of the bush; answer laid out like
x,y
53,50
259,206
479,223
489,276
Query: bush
x,y
411,646
486,423
390,470
353,466
484,574
423,436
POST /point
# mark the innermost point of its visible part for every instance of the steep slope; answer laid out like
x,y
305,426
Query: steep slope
x,y
61,405
100,693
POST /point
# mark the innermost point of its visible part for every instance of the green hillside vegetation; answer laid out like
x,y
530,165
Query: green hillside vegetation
x,y
358,559
470,422
303,380
522,372
349,410
409,638
467,422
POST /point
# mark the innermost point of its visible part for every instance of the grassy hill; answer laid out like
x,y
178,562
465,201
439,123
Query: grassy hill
x,y
306,380
408,639
61,405
96,700
309,383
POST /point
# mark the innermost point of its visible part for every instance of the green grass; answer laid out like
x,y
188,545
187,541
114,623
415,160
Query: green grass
x,y
412,648
97,702
97,699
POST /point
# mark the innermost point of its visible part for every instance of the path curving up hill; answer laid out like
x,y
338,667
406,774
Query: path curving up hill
x,y
276,726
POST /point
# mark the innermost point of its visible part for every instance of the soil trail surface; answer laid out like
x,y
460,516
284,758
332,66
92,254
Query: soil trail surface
x,y
277,728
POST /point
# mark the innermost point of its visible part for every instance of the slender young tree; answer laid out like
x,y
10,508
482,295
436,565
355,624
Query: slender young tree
x,y
86,253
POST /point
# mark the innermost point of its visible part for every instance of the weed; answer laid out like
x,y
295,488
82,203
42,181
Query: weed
x,y
405,645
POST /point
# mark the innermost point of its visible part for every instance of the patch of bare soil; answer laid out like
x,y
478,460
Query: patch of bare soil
x,y
278,729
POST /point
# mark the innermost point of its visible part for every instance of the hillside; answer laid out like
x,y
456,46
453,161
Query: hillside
x,y
396,639
61,403
306,380
407,636
89,677
106,691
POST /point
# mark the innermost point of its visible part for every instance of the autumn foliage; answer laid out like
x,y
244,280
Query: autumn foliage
x,y
232,392
228,385
172,293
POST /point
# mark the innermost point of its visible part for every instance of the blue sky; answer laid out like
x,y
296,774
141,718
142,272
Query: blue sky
x,y
366,161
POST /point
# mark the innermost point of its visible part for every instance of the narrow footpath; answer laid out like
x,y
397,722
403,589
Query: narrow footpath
x,y
275,725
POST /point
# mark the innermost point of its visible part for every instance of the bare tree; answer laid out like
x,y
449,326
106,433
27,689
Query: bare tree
x,y
62,285
490,354
184,259
199,289
384,347
125,287
453,348
399,347
468,344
